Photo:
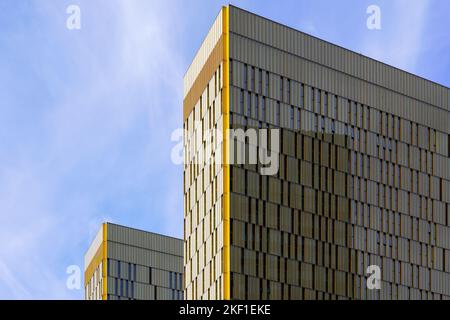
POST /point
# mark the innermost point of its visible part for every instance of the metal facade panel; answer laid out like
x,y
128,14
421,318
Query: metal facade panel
x,y
319,76
314,49
384,202
139,262
144,239
93,248
203,53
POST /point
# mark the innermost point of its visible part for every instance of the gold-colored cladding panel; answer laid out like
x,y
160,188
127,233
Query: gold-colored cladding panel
x,y
95,262
100,256
200,83
226,166
104,265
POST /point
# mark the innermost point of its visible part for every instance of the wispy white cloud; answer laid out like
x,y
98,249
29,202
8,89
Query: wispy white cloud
x,y
102,132
85,123
12,283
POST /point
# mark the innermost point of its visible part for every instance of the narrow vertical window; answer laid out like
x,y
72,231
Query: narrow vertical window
x,y
252,83
249,104
277,114
129,272
335,102
256,107
289,91
281,88
207,101
175,281
215,84
260,81
302,95
318,101
448,141
263,109
241,103
244,76
291,115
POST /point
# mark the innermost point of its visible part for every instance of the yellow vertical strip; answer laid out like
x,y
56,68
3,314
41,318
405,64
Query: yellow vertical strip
x,y
104,262
226,166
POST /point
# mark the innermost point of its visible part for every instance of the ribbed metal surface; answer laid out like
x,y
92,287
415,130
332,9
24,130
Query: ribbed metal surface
x,y
363,179
334,57
312,61
364,175
203,53
143,265
145,240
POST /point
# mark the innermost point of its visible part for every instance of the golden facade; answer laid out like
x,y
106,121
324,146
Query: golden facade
x,y
364,175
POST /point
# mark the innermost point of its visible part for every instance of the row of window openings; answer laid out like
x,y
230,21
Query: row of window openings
x,y
385,169
356,219
131,269
175,279
359,212
315,100
195,295
391,195
360,291
260,78
318,125
391,170
125,288
364,166
358,184
93,290
205,262
202,105
318,121
383,240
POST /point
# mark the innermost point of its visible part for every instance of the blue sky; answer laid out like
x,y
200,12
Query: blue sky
x,y
86,115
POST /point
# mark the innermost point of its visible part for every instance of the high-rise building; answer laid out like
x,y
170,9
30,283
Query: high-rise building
x,y
128,264
363,179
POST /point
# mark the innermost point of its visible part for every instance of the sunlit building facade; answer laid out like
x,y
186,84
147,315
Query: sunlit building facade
x,y
363,179
123,263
